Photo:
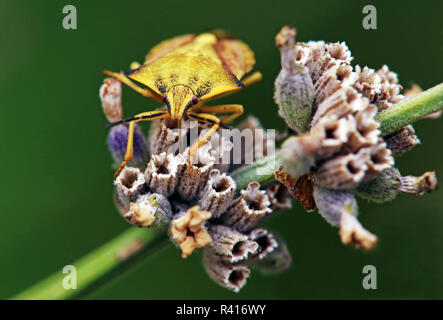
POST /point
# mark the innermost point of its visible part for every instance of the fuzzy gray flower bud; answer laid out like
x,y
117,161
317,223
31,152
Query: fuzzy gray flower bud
x,y
294,90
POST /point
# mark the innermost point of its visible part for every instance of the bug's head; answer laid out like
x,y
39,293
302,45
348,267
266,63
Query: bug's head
x,y
179,99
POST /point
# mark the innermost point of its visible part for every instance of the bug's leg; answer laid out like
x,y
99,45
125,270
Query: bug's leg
x,y
123,78
145,116
235,109
253,78
202,117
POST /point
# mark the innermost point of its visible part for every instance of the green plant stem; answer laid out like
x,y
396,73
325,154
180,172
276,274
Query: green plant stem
x,y
261,171
100,266
411,110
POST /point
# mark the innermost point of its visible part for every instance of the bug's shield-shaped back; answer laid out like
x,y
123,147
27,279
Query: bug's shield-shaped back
x,y
207,65
167,46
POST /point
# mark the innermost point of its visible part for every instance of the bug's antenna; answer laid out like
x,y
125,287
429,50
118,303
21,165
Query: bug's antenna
x,y
112,124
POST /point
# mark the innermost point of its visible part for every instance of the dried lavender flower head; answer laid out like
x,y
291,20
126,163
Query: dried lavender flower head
x,y
197,204
342,153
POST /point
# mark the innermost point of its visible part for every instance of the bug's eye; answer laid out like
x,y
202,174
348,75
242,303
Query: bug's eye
x,y
194,100
164,97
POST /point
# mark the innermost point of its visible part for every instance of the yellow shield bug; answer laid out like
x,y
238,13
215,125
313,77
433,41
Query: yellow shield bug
x,y
184,73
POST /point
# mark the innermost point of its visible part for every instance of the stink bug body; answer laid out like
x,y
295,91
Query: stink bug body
x,y
185,72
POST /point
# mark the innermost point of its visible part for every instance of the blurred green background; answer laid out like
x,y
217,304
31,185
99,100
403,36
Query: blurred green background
x,y
56,188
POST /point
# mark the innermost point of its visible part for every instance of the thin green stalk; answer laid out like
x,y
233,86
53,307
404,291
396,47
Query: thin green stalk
x,y
101,265
411,110
261,171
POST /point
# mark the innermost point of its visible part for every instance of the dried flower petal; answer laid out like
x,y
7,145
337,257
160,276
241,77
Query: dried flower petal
x,y
339,208
352,233
111,98
189,231
300,188
140,216
150,208
418,185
